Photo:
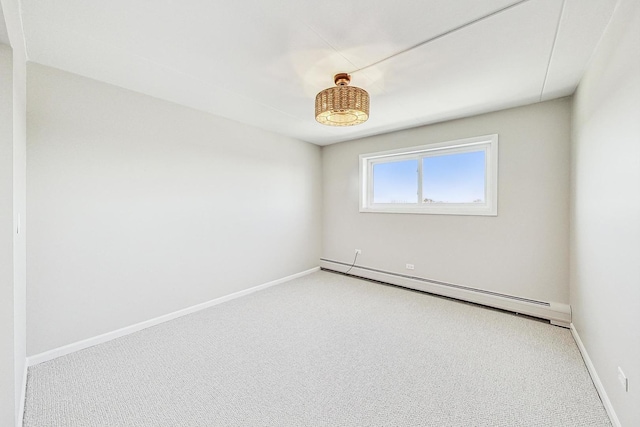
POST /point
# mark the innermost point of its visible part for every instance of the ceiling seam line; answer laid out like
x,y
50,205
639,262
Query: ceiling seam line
x,y
328,44
441,35
597,45
24,36
553,48
336,50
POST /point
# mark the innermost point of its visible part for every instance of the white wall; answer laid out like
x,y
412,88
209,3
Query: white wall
x,y
12,244
13,198
523,251
605,237
7,365
139,207
20,225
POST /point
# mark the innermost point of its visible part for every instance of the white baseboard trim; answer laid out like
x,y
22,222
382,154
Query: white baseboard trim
x,y
558,313
596,379
90,342
23,395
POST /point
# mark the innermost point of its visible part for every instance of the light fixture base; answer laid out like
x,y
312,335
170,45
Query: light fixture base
x,y
342,79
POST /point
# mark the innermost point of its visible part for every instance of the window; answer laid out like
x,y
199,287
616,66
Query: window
x,y
455,178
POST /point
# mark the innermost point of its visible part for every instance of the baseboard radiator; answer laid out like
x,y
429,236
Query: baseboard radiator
x,y
557,313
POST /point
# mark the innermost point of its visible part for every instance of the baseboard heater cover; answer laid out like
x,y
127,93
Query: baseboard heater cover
x,y
557,313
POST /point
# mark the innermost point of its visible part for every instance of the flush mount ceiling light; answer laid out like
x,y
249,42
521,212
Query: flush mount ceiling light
x,y
345,105
342,105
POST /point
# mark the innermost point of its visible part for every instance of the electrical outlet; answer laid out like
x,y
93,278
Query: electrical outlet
x,y
358,252
410,267
624,381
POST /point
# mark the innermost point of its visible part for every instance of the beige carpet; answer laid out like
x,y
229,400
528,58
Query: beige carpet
x,y
324,350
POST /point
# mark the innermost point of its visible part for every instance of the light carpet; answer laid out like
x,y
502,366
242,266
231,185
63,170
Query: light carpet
x,y
324,350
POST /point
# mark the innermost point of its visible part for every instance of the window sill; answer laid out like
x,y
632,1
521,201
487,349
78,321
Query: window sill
x,y
444,210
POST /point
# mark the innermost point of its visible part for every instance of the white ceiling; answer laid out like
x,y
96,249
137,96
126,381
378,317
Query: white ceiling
x,y
262,62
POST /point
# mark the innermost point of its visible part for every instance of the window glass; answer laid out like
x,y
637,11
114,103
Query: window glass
x,y
454,178
395,182
447,178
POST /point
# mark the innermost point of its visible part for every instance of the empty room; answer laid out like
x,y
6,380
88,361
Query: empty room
x,y
338,213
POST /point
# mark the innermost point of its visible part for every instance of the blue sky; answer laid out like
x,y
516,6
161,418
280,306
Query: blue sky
x,y
451,178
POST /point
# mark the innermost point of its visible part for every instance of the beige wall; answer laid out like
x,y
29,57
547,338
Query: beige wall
x,y
139,207
523,251
605,238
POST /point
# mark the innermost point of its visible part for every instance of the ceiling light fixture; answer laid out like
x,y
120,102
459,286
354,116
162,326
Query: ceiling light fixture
x,y
345,105
342,105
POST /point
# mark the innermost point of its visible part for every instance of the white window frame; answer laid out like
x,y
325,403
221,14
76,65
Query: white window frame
x,y
487,143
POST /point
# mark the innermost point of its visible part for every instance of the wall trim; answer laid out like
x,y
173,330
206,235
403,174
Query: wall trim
x,y
596,379
99,339
558,314
23,394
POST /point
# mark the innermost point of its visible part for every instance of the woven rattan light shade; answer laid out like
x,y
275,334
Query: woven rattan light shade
x,y
342,105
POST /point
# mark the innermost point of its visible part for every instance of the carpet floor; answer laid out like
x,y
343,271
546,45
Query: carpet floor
x,y
324,350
